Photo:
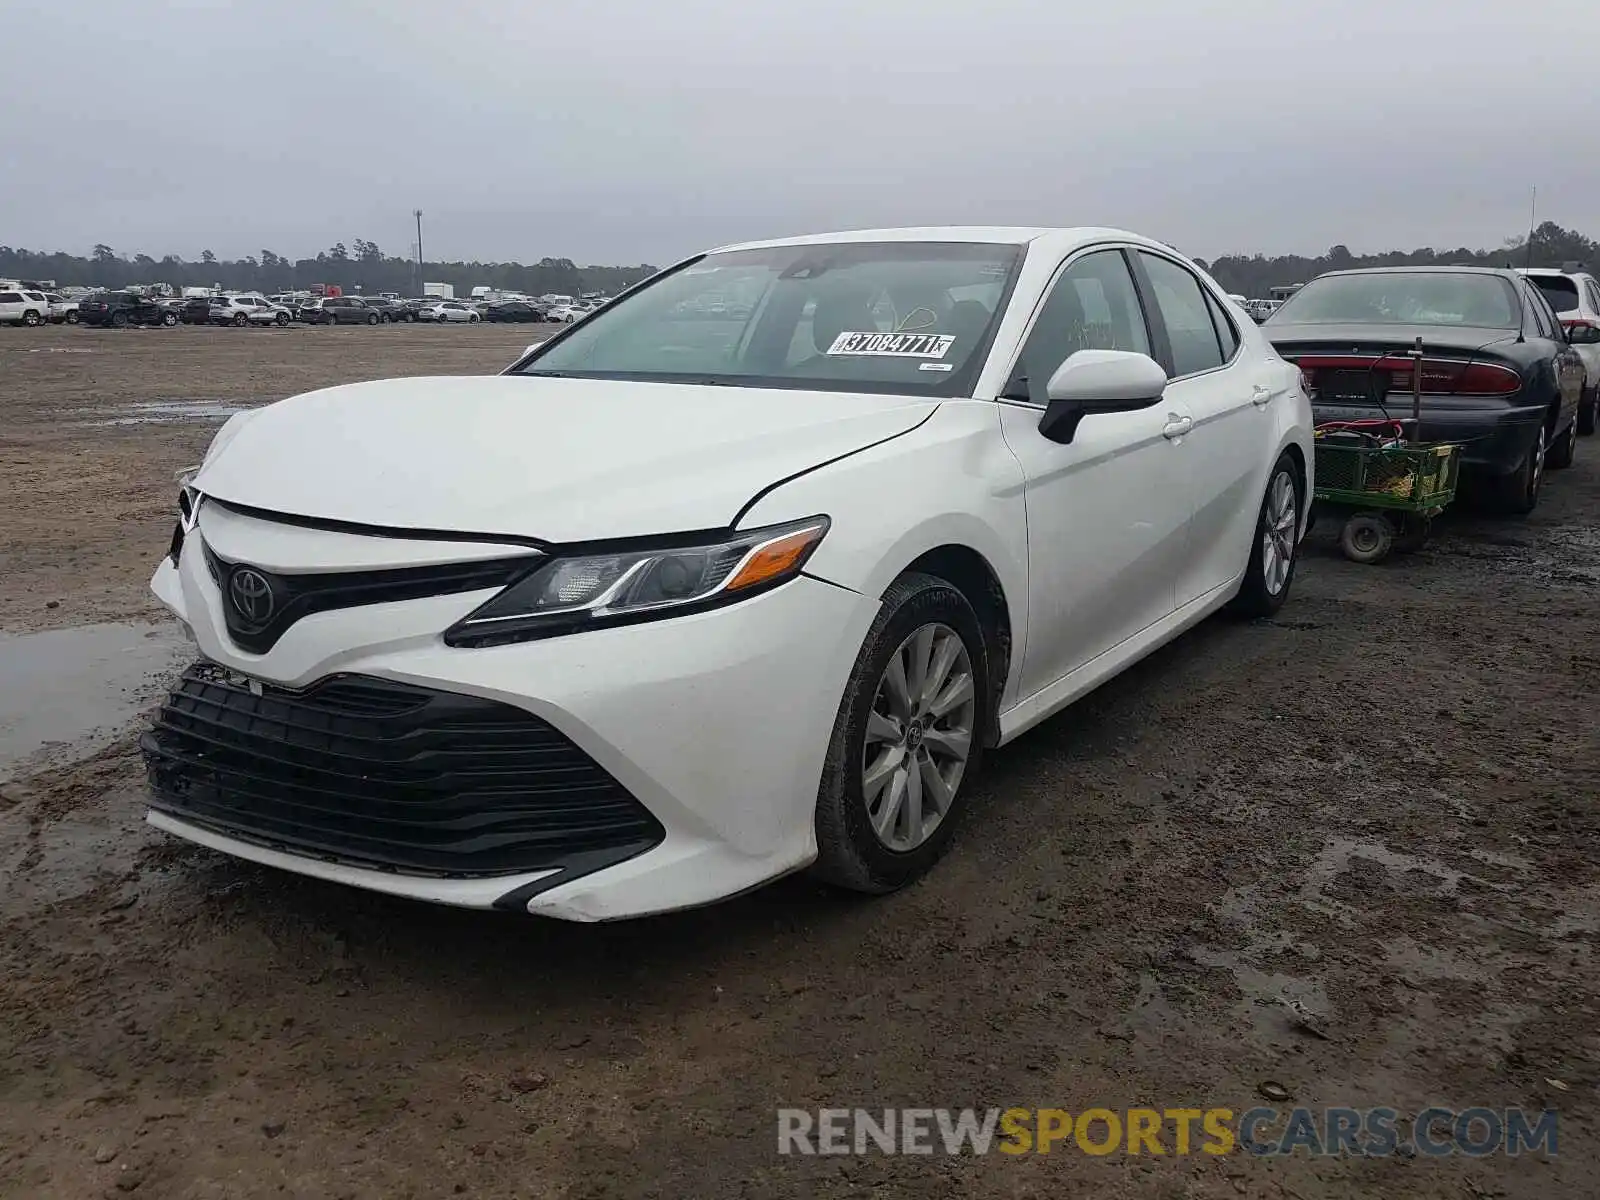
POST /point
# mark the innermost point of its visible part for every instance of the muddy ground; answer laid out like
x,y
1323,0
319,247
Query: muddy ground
x,y
1383,806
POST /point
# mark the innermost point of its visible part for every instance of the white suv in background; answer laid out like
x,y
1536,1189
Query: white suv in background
x,y
20,306
248,310
1575,295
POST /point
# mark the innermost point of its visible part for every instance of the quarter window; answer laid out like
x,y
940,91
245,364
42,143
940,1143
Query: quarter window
x,y
1182,303
1093,306
10,297
1227,333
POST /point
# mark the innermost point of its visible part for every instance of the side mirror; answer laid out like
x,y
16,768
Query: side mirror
x,y
1099,381
1583,334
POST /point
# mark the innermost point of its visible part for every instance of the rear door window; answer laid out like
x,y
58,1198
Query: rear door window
x,y
1182,302
1560,290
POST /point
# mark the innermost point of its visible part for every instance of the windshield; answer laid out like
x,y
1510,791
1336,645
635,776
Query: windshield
x,y
1559,290
1403,298
848,316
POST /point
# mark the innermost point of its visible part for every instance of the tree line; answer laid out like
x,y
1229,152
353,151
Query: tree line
x,y
1253,275
363,267
366,268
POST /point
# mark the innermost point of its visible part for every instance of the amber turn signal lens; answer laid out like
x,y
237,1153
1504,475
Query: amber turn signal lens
x,y
775,559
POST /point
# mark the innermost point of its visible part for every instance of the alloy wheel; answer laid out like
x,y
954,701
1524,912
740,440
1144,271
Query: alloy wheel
x,y
1278,533
1536,476
919,736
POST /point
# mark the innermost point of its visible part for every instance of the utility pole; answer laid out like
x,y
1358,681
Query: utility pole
x,y
418,215
1533,216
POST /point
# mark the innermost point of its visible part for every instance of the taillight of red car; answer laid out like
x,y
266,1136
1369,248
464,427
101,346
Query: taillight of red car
x,y
1440,376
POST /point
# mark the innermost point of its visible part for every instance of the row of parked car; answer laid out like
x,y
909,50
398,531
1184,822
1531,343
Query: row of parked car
x,y
120,309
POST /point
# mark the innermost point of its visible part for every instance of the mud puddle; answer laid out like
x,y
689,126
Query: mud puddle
x,y
151,412
65,692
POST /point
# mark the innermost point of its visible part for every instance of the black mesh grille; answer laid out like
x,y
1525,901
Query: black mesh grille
x,y
386,775
290,597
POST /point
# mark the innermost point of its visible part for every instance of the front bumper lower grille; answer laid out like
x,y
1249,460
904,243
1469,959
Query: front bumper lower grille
x,y
387,775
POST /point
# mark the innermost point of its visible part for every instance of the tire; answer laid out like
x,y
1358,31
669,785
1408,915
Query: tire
x,y
1367,537
474,319
1518,492
1564,449
281,320
72,318
31,319
169,319
240,320
410,318
372,318
333,318
119,320
850,851
1589,411
1275,546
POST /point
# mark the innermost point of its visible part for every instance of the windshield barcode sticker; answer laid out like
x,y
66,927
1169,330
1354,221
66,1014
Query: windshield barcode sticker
x,y
892,345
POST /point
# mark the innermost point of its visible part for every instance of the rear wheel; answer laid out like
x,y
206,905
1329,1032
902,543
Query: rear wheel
x,y
907,739
240,320
1564,447
1270,573
1518,492
119,320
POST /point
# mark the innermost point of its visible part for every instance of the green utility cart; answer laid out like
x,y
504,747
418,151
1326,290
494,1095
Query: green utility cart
x,y
1390,489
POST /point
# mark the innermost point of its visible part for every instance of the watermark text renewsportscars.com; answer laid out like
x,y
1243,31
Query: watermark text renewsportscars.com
x,y
1332,1131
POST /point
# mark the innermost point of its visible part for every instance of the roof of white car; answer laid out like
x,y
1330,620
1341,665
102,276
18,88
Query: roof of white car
x,y
1006,234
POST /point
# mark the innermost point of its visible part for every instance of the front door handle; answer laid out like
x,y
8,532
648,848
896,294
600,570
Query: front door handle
x,y
1176,426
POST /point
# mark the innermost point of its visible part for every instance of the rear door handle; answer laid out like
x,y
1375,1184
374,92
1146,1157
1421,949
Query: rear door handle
x,y
1261,395
1176,426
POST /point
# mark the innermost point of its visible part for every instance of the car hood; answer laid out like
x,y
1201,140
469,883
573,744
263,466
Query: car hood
x,y
557,459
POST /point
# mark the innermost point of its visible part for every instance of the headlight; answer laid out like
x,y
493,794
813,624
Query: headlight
x,y
582,591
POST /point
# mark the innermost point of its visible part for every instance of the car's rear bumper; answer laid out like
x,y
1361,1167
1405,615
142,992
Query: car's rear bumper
x,y
1494,441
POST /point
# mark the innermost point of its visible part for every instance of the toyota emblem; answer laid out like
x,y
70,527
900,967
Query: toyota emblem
x,y
252,597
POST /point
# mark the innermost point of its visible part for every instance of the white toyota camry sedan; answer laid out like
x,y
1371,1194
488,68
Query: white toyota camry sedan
x,y
697,594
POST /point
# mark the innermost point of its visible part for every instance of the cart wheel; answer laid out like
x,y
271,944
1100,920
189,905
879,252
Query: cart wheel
x,y
1413,534
1367,537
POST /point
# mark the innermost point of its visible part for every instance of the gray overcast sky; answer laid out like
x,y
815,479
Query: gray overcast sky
x,y
618,131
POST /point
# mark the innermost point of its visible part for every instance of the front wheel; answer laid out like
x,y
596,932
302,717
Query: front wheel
x,y
474,319
281,320
1274,550
333,319
72,318
169,319
372,318
410,318
907,738
31,319
1589,410
1518,492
